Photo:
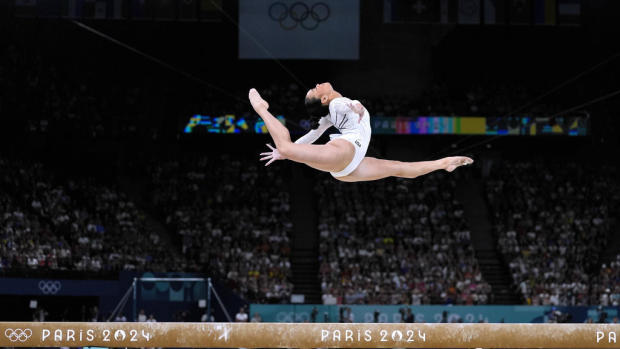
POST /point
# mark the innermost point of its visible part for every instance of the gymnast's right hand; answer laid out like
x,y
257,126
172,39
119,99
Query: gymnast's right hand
x,y
272,155
256,100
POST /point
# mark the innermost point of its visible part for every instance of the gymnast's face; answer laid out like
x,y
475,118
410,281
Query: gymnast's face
x,y
321,91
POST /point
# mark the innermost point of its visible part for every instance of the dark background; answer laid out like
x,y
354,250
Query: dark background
x,y
396,61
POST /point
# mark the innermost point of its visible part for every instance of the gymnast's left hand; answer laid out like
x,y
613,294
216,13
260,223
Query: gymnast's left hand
x,y
272,155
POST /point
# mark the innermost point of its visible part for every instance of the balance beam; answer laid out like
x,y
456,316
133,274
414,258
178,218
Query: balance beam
x,y
306,335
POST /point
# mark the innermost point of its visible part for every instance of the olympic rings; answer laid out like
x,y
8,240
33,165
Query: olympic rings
x,y
49,287
308,17
18,334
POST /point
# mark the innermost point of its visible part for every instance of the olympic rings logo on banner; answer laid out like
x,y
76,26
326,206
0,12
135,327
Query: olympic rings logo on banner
x,y
300,14
18,334
49,287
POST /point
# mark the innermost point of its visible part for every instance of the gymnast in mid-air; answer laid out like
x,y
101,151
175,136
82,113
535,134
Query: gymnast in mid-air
x,y
344,156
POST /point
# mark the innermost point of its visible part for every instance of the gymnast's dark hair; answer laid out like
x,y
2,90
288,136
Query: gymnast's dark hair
x,y
316,111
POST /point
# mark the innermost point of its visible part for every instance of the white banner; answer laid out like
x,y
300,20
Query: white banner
x,y
293,29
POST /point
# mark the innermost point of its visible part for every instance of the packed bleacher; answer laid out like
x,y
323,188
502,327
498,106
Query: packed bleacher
x,y
552,221
386,242
607,286
232,219
551,228
50,222
396,241
231,231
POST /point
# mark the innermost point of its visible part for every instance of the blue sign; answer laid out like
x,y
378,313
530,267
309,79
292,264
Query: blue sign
x,y
427,313
58,287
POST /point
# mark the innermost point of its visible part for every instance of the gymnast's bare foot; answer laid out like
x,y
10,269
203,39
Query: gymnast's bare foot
x,y
451,163
256,100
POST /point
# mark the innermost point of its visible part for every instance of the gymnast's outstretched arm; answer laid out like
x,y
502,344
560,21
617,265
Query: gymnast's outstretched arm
x,y
308,138
313,135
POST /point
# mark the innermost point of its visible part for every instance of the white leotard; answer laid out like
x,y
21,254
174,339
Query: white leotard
x,y
351,128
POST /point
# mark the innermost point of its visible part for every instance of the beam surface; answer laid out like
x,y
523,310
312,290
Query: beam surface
x,y
306,335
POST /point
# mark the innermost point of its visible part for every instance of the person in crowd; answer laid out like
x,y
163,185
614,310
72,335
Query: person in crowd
x,y
241,316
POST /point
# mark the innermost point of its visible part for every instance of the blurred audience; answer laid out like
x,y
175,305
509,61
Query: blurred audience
x,y
386,242
237,232
607,288
396,241
54,223
552,222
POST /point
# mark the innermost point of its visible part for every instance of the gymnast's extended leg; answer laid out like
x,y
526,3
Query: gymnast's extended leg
x,y
331,157
371,169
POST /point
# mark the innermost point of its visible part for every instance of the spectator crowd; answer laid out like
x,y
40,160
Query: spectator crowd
x,y
396,241
607,286
552,221
232,221
53,223
387,242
